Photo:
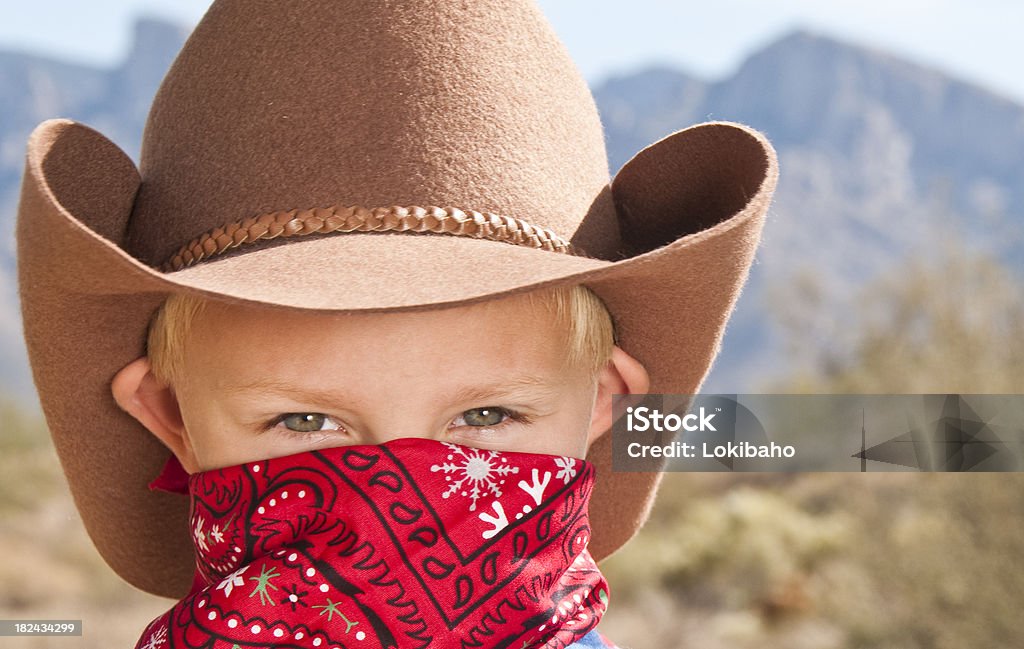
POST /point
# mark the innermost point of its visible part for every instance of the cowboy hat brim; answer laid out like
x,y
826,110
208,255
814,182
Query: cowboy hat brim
x,y
692,205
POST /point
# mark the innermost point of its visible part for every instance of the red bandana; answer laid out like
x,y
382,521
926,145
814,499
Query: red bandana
x,y
413,543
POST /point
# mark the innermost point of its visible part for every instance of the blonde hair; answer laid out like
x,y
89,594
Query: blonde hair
x,y
168,332
588,327
589,330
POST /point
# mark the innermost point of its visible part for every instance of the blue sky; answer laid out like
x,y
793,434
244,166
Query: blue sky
x,y
974,39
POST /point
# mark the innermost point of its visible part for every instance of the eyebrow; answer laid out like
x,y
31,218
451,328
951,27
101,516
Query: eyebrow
x,y
524,386
273,386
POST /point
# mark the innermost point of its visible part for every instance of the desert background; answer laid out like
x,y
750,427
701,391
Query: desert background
x,y
891,262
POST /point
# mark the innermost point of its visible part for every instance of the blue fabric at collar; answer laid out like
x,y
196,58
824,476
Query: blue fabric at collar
x,y
593,640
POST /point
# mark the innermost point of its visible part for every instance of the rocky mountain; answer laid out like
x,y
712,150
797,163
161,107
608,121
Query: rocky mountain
x,y
879,158
33,89
877,155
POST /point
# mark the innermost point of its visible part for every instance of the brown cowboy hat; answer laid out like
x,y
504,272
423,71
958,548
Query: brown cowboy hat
x,y
276,152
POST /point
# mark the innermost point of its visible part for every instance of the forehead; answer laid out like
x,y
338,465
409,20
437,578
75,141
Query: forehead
x,y
486,340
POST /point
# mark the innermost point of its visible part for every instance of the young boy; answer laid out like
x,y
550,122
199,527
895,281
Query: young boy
x,y
381,408
530,374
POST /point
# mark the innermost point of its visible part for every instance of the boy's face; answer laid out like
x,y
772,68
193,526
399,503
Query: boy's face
x,y
261,383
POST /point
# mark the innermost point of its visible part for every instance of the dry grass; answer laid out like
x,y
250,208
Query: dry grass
x,y
50,569
825,560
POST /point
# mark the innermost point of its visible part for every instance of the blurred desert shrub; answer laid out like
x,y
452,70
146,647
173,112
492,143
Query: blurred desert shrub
x,y
949,320
28,475
49,568
879,560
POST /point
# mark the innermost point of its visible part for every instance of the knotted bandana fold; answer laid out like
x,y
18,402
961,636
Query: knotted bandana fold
x,y
413,543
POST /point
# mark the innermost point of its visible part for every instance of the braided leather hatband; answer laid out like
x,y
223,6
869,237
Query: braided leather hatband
x,y
331,220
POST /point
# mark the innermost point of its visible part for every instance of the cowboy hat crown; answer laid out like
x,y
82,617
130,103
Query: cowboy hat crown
x,y
278,106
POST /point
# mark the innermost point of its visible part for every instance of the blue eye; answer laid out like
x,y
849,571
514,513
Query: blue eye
x,y
488,416
308,422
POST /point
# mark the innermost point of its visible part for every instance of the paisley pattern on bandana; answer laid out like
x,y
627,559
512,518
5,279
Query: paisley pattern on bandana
x,y
414,543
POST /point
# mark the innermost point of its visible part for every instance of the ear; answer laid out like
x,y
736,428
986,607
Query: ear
x,y
151,401
622,374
